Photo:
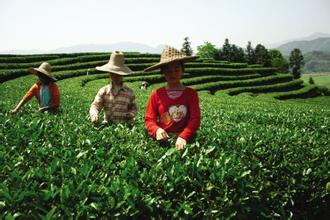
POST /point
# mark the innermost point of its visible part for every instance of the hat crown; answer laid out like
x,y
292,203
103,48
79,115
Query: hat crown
x,y
170,53
116,64
46,67
117,59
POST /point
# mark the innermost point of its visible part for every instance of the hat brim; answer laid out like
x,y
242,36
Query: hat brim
x,y
123,70
43,72
160,64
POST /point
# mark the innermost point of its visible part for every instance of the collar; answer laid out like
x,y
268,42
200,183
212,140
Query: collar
x,y
118,88
39,84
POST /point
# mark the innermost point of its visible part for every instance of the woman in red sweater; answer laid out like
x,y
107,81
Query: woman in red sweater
x,y
174,108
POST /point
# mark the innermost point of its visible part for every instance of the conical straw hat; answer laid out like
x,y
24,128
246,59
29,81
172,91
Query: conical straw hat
x,y
44,69
116,65
169,55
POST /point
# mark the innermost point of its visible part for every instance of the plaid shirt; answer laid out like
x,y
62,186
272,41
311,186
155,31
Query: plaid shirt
x,y
118,103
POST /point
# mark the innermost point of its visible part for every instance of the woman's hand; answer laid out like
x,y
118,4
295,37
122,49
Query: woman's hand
x,y
14,111
44,109
161,134
94,118
180,143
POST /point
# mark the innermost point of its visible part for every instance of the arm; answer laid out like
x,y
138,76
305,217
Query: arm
x,y
132,109
151,114
56,97
194,120
17,108
26,98
96,106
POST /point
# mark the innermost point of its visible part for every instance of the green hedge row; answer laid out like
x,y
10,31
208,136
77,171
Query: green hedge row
x,y
26,62
16,61
216,65
187,79
92,65
279,87
255,65
77,67
92,61
212,61
106,56
75,63
229,71
69,73
93,77
100,60
138,64
215,78
150,78
308,91
214,86
17,58
126,79
211,70
7,75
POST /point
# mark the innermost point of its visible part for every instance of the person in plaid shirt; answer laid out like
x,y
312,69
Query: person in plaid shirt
x,y
117,99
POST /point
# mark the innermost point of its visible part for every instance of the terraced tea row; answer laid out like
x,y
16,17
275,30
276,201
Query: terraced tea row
x,y
201,74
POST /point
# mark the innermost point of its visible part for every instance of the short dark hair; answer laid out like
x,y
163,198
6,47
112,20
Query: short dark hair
x,y
45,78
162,68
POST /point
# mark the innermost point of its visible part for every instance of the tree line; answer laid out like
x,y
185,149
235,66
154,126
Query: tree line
x,y
251,55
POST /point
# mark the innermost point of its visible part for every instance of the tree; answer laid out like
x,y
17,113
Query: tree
x,y
186,47
311,80
250,56
225,51
207,51
278,61
262,55
296,62
236,54
231,52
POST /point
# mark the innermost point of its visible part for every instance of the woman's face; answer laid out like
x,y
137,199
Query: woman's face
x,y
43,79
173,72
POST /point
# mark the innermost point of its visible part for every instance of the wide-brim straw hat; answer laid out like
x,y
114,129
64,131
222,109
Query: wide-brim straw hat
x,y
44,69
170,55
116,65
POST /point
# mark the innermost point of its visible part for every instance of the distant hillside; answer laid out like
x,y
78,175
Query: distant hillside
x,y
310,37
122,46
319,44
317,61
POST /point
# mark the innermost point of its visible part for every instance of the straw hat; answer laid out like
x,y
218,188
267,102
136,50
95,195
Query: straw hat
x,y
170,55
44,69
116,65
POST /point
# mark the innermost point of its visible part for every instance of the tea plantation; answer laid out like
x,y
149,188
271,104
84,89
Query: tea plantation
x,y
255,156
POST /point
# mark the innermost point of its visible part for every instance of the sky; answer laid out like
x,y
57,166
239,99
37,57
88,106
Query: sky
x,y
50,24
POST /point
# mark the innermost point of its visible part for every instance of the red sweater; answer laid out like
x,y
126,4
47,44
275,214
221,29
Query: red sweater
x,y
180,115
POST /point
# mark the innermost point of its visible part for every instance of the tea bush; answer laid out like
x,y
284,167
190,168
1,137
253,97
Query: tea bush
x,y
252,158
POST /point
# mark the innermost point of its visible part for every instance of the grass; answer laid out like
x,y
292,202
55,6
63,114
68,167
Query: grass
x,y
322,79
